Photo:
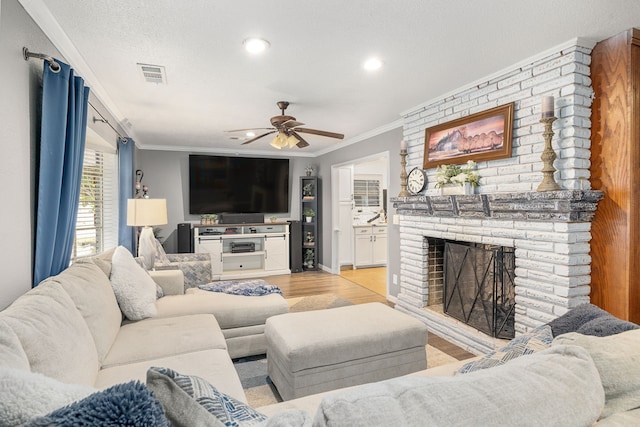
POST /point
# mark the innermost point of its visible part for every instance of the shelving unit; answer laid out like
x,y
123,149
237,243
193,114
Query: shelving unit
x,y
310,199
244,250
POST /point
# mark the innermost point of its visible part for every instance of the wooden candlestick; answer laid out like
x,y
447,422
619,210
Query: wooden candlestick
x,y
403,174
548,156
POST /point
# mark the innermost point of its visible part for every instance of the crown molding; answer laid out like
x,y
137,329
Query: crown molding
x,y
43,17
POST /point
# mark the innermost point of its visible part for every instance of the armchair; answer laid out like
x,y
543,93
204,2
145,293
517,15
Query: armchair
x,y
195,267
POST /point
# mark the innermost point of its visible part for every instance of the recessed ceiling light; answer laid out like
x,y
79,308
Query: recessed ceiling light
x,y
250,134
255,45
372,64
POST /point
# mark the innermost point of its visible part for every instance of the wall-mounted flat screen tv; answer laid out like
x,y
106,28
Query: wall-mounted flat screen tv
x,y
220,184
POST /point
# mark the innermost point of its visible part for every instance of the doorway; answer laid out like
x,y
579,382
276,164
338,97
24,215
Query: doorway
x,y
359,244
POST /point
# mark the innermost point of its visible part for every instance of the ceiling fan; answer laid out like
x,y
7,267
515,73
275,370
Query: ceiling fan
x,y
288,131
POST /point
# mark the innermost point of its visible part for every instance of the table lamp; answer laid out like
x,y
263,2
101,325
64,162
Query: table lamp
x,y
146,213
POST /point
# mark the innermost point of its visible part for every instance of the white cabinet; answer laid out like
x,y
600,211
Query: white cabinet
x,y
276,252
213,246
244,250
370,245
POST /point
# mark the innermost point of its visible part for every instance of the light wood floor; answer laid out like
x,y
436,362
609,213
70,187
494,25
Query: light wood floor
x,y
319,282
374,279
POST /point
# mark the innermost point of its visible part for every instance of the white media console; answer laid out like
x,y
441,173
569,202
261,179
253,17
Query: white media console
x,y
240,251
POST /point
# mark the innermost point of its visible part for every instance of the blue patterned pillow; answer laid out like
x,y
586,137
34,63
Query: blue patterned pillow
x,y
130,405
538,339
231,412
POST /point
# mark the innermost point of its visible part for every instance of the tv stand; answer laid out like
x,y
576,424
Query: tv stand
x,y
242,251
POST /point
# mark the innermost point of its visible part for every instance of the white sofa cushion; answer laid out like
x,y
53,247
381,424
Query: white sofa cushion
x,y
153,338
215,366
53,334
25,395
135,290
12,354
617,358
91,292
529,391
231,311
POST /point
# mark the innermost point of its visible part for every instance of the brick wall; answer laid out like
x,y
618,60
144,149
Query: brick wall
x,y
552,256
565,75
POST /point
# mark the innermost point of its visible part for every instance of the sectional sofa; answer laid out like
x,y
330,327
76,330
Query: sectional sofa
x,y
66,342
71,328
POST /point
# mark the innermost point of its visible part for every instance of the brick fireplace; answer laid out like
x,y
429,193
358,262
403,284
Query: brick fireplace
x,y
550,232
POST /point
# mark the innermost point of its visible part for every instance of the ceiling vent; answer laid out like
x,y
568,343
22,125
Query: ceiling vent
x,y
153,73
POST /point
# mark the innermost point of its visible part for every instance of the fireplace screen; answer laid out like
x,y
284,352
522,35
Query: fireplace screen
x,y
479,288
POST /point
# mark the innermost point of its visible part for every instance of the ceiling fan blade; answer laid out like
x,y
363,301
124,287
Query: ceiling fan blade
x,y
321,133
291,124
244,130
258,137
301,142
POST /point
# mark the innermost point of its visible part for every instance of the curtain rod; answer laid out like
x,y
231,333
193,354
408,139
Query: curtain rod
x,y
53,65
103,120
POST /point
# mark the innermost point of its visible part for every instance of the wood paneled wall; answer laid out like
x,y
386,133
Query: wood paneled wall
x,y
615,166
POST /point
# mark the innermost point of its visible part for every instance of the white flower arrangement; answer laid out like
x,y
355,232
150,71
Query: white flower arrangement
x,y
457,174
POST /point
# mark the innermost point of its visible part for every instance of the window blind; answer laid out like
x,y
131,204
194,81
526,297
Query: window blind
x,y
97,221
366,192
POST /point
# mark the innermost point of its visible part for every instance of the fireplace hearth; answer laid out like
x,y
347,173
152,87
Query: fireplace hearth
x,y
479,287
547,235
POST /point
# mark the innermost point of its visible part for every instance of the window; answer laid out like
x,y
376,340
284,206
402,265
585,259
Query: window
x,y
366,192
97,222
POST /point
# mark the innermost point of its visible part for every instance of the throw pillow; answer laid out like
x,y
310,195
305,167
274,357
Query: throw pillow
x,y
135,290
604,326
617,358
559,387
161,255
25,395
184,394
128,404
588,319
538,339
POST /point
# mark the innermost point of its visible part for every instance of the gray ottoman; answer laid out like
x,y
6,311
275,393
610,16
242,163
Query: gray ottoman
x,y
323,350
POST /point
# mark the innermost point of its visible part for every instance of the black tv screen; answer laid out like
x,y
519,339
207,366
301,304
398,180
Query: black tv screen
x,y
220,184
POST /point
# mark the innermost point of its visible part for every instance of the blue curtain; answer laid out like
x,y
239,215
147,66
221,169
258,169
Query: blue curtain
x,y
126,236
62,139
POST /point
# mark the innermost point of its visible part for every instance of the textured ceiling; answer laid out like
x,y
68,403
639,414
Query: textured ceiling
x,y
429,47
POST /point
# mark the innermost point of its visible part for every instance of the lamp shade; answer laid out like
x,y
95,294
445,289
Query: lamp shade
x,y
146,212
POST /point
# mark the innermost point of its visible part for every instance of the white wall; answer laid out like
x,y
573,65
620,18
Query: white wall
x,y
20,104
19,107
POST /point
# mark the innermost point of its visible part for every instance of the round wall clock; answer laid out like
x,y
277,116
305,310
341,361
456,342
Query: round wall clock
x,y
416,180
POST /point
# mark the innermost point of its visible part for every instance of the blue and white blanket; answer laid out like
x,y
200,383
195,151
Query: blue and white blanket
x,y
249,288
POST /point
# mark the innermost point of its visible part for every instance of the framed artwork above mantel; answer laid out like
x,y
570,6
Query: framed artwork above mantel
x,y
481,136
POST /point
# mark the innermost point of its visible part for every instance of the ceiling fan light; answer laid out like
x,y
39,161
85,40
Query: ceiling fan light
x,y
274,143
255,45
292,141
282,140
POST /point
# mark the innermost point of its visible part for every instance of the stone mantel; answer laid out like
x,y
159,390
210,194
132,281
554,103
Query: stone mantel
x,y
552,206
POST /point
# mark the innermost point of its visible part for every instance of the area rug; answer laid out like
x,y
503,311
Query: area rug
x,y
316,302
